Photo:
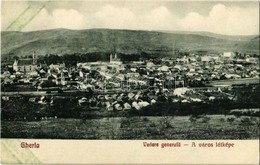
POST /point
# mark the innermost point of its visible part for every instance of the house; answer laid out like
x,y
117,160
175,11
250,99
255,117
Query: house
x,y
132,74
126,106
143,103
33,74
252,60
32,99
178,67
183,59
114,68
57,66
109,106
42,100
185,101
5,74
206,58
5,98
118,107
211,98
82,85
215,57
86,66
150,65
42,72
196,100
82,101
81,73
153,101
135,105
228,54
180,91
192,69
130,95
52,77
163,68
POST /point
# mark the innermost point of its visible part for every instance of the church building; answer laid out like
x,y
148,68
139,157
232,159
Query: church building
x,y
25,65
114,60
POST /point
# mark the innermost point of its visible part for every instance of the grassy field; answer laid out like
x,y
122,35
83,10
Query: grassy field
x,y
179,127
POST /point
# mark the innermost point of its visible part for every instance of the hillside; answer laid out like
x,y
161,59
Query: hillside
x,y
218,36
62,41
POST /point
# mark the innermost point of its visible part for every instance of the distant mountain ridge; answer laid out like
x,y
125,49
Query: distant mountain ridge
x,y
65,41
215,35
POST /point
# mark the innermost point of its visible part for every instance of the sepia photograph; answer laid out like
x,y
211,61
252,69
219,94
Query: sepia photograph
x,y
130,70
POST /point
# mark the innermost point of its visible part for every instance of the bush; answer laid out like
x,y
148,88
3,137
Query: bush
x,y
245,112
164,124
152,124
193,118
238,115
124,123
145,119
231,119
205,119
246,121
222,120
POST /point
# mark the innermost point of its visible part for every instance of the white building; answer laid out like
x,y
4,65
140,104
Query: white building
x,y
252,60
206,58
25,65
228,54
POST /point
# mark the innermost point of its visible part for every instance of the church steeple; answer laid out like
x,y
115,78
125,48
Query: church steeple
x,y
34,58
15,65
111,57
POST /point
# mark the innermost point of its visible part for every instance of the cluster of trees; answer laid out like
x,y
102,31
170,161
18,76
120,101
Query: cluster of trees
x,y
244,55
73,59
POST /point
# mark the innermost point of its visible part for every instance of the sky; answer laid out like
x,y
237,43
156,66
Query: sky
x,y
222,17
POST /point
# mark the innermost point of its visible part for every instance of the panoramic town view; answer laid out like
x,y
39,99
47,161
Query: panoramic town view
x,y
109,83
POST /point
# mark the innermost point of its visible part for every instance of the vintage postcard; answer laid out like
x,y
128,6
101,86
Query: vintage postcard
x,y
129,82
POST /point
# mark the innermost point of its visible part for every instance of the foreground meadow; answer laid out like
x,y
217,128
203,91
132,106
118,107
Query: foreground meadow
x,y
145,127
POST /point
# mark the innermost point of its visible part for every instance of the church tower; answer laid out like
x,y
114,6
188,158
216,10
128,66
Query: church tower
x,y
111,57
34,58
15,65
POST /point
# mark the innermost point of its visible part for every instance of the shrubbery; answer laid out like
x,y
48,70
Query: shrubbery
x,y
245,112
231,120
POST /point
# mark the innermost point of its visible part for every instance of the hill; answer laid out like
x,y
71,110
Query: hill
x,y
64,41
219,36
